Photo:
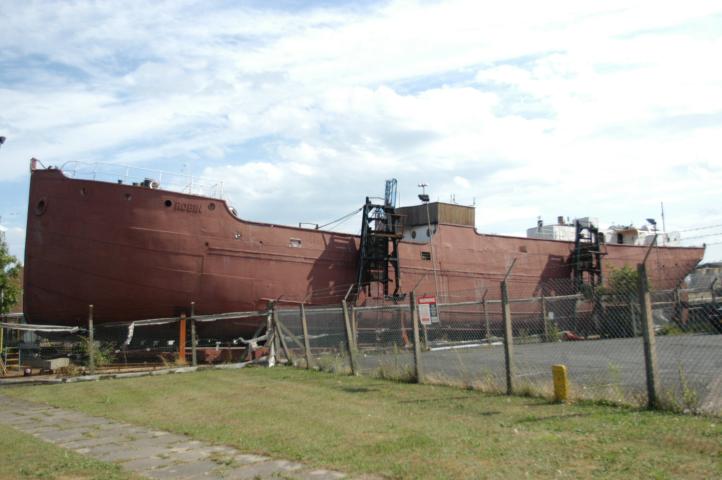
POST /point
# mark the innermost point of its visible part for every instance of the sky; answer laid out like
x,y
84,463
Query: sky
x,y
525,109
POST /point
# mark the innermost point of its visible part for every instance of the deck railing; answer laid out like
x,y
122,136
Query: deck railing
x,y
155,178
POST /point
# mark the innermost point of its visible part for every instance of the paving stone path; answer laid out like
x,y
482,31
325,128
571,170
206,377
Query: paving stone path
x,y
149,453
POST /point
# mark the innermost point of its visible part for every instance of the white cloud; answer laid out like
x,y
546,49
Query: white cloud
x,y
597,108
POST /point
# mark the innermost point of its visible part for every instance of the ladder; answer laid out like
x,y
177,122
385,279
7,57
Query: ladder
x,y
10,358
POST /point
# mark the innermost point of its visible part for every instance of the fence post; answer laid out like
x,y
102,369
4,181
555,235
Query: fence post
x,y
276,333
270,337
354,326
650,351
182,327
281,339
508,339
349,338
194,336
91,341
418,366
306,341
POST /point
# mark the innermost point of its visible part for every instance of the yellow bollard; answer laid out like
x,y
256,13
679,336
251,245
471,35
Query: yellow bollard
x,y
561,383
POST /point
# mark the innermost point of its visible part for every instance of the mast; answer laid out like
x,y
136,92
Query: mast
x,y
664,227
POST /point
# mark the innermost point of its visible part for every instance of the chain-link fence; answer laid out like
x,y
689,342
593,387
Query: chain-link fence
x,y
100,347
620,343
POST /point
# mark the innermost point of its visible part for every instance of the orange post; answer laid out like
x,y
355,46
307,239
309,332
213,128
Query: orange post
x,y
182,339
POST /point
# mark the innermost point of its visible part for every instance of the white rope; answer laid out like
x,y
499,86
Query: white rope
x,y
26,327
131,329
229,316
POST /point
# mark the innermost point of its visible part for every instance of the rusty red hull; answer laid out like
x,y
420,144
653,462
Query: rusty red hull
x,y
135,253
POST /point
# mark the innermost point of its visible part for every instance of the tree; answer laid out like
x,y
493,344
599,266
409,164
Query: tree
x,y
9,276
622,282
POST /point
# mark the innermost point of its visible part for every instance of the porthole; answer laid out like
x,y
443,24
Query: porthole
x,y
413,233
128,196
83,192
168,203
211,206
41,206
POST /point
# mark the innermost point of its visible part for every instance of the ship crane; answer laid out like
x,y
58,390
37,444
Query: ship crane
x,y
381,231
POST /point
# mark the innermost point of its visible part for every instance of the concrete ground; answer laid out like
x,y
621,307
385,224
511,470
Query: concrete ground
x,y
149,453
597,368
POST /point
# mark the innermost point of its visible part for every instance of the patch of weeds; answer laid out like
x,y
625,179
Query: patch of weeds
x,y
392,367
534,390
170,361
333,363
614,386
395,372
683,400
103,353
690,398
70,370
488,383
466,381
671,329
553,333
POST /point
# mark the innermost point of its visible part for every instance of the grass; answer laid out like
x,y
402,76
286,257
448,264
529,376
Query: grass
x,y
366,425
22,456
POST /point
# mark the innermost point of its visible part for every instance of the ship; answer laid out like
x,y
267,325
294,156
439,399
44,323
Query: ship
x,y
135,250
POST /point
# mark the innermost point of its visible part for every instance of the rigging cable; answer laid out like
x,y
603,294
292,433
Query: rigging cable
x,y
340,219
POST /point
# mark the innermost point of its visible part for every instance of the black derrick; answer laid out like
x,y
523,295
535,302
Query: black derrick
x,y
586,258
381,231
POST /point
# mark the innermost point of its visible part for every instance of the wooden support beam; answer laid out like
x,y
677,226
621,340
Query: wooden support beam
x,y
650,349
418,363
182,339
91,341
508,339
306,341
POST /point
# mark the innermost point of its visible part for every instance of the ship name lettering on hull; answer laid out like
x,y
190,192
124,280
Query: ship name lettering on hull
x,y
187,207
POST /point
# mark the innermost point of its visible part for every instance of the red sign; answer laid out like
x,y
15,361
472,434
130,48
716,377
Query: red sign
x,y
428,313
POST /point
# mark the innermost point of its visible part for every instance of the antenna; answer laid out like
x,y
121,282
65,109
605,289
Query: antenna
x,y
664,226
423,196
